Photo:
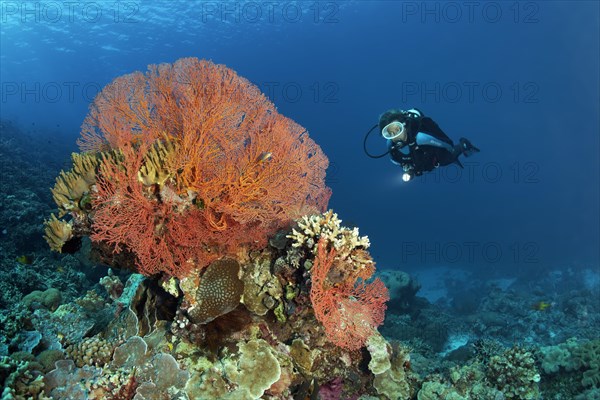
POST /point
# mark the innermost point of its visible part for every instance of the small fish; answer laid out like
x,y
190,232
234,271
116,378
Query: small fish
x,y
265,156
24,259
541,306
60,269
198,202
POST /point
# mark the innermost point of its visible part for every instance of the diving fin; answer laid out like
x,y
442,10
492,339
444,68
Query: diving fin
x,y
467,147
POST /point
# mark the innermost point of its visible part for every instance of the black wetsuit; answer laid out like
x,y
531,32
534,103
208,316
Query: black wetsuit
x,y
422,158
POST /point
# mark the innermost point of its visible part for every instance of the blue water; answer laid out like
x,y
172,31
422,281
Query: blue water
x,y
519,79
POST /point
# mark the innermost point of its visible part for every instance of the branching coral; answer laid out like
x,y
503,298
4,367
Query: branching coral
x,y
20,379
350,247
328,226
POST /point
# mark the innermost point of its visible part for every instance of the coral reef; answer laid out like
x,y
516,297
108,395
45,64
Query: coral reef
x,y
243,287
188,184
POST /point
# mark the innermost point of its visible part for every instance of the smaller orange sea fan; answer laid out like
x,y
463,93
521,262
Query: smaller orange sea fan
x,y
351,311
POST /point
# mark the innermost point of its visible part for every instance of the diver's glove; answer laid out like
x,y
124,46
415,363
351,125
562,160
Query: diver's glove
x,y
467,148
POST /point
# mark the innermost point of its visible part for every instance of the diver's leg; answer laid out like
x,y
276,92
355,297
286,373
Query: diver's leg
x,y
425,139
450,156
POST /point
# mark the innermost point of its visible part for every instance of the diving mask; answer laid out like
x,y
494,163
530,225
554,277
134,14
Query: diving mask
x,y
393,130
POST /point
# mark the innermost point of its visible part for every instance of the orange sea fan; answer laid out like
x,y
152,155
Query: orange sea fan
x,y
126,217
249,169
349,311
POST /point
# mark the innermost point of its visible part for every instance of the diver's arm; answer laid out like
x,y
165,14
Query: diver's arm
x,y
399,153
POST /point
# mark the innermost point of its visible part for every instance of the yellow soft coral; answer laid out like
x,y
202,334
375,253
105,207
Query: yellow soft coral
x,y
57,233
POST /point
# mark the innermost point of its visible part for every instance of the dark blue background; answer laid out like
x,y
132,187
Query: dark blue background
x,y
529,200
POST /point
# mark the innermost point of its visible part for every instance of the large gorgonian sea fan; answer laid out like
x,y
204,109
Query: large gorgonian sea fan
x,y
230,170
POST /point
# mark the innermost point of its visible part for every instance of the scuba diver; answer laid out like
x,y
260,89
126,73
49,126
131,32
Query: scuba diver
x,y
417,143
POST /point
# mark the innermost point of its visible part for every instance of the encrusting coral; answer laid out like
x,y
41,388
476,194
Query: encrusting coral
x,y
254,371
90,351
262,289
219,292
